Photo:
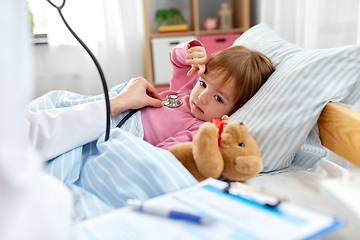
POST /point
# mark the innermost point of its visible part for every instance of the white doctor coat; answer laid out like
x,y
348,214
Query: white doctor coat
x,y
55,131
33,205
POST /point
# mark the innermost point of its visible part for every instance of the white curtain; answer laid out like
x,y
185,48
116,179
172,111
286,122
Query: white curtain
x,y
314,24
113,31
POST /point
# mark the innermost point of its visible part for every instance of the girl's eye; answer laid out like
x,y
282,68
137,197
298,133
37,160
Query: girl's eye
x,y
202,83
218,99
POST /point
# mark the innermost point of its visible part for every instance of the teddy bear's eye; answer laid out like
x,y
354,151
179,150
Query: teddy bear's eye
x,y
241,145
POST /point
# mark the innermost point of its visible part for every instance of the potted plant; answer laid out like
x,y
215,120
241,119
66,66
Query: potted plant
x,y
170,20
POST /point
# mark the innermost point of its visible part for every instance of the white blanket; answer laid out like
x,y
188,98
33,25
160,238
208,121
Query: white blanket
x,y
304,188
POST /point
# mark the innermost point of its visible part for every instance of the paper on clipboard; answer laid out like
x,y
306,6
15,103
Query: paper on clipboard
x,y
234,218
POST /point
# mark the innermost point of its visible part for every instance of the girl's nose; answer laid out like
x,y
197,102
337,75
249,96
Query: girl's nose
x,y
202,97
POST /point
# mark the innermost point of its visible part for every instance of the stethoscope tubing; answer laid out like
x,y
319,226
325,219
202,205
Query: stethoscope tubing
x,y
101,73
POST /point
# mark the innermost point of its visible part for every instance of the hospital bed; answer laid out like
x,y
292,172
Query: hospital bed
x,y
335,126
339,130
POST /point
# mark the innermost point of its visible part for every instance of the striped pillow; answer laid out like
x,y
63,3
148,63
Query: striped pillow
x,y
282,116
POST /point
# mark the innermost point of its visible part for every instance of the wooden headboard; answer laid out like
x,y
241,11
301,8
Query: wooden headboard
x,y
339,129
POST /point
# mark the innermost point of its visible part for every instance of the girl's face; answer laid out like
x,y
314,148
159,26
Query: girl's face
x,y
208,100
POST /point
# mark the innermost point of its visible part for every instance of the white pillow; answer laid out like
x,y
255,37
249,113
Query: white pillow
x,y
281,116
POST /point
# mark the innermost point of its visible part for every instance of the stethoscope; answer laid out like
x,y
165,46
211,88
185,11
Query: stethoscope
x,y
102,76
171,101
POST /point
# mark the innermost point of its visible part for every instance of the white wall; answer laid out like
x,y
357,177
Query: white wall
x,y
59,70
113,30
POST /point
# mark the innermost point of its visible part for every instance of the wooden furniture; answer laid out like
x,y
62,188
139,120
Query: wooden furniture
x,y
339,129
241,22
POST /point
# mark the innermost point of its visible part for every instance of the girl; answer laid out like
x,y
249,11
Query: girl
x,y
225,83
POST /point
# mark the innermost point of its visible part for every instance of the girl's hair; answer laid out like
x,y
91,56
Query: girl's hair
x,y
249,68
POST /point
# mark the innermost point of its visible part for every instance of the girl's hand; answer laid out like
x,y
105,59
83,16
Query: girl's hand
x,y
225,120
197,58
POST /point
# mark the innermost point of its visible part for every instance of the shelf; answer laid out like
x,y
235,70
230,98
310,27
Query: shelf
x,y
194,11
197,33
222,31
173,34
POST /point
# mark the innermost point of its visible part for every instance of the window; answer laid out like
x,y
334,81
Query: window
x,y
38,15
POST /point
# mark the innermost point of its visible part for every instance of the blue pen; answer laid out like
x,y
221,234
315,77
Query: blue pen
x,y
160,211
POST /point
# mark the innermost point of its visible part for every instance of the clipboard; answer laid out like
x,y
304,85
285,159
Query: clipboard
x,y
237,214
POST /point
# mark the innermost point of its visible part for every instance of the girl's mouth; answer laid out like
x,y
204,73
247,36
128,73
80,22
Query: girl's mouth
x,y
198,109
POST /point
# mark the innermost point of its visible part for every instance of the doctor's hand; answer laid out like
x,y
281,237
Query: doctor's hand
x,y
197,58
138,93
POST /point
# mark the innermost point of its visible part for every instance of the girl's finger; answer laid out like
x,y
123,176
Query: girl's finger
x,y
225,117
195,55
192,71
201,69
196,49
196,61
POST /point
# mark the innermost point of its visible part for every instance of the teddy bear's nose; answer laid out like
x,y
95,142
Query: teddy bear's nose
x,y
241,123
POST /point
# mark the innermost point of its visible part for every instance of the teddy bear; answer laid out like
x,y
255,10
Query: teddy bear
x,y
229,152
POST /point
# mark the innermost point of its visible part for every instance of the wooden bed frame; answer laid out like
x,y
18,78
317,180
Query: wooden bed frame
x,y
339,129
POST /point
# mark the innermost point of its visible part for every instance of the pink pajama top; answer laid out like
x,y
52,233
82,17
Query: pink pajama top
x,y
165,127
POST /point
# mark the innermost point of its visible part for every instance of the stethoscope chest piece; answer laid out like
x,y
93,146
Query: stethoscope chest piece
x,y
172,101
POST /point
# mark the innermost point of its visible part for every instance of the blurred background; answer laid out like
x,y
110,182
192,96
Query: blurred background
x,y
114,31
